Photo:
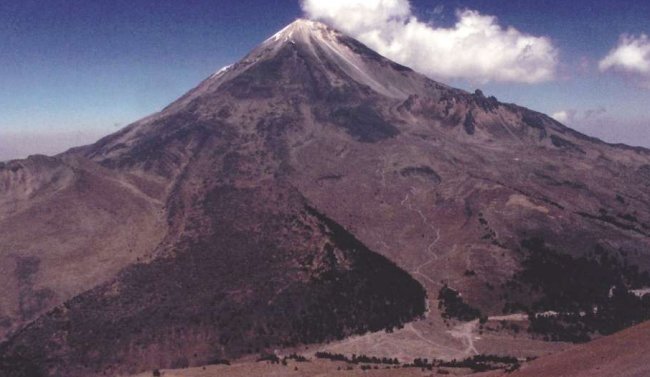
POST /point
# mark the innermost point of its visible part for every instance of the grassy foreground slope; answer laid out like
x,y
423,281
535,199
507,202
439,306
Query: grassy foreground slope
x,y
624,354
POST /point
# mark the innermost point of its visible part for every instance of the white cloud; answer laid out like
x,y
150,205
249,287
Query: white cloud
x,y
612,128
564,116
476,48
573,117
631,55
616,129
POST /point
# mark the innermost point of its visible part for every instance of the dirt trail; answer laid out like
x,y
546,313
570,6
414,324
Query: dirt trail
x,y
466,332
515,317
429,249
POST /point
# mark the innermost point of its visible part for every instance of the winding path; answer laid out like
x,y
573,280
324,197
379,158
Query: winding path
x,y
465,332
429,250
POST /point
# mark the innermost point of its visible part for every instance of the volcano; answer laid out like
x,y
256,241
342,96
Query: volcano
x,y
313,191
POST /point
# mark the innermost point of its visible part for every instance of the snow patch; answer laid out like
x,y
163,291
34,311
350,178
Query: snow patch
x,y
299,29
221,71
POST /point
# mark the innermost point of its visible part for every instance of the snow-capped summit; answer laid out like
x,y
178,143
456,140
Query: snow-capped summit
x,y
300,29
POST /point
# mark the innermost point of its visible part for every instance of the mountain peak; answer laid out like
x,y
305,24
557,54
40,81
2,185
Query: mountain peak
x,y
299,30
243,217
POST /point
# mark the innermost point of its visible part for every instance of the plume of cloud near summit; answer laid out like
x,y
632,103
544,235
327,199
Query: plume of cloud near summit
x,y
476,48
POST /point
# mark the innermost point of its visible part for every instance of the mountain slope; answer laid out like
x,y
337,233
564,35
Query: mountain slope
x,y
67,225
277,179
622,354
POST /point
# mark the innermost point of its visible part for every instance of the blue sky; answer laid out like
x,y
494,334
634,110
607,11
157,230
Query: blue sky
x,y
82,68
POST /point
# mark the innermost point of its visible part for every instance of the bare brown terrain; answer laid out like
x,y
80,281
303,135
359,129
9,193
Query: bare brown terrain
x,y
54,210
623,354
317,194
